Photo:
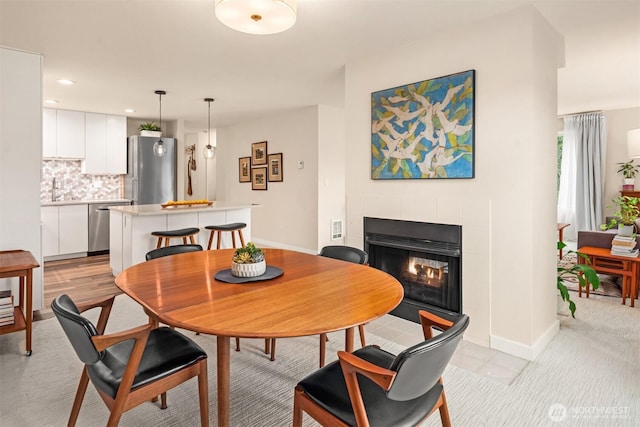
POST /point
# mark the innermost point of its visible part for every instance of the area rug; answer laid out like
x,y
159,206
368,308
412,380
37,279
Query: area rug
x,y
586,376
610,285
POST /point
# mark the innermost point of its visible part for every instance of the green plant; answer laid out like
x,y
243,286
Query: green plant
x,y
248,255
627,212
583,272
152,127
628,169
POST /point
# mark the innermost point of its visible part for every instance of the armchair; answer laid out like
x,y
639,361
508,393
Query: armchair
x,y
398,390
129,367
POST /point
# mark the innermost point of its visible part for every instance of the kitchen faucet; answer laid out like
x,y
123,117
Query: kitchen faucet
x,y
54,187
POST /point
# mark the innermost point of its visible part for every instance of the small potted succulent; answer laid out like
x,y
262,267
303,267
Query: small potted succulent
x,y
248,261
150,129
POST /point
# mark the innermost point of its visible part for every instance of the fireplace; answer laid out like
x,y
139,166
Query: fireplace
x,y
426,259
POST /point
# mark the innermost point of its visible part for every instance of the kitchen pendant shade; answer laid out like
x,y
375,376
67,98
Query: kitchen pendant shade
x,y
257,16
209,151
158,147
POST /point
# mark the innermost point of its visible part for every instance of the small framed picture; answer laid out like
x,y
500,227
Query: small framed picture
x,y
244,169
274,164
259,153
259,178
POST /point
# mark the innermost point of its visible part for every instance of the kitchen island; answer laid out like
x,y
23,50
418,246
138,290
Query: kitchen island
x,y
131,226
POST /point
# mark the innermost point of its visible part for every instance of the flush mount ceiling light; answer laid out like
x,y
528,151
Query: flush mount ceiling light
x,y
159,148
51,101
66,82
209,151
257,16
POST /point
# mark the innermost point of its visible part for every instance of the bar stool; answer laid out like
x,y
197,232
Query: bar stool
x,y
184,233
236,226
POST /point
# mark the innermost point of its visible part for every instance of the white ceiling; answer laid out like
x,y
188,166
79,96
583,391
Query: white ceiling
x,y
119,52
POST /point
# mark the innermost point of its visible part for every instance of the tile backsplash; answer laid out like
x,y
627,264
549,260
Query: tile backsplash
x,y
72,184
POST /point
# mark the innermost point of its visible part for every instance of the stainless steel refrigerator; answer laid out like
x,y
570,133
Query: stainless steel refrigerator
x,y
150,179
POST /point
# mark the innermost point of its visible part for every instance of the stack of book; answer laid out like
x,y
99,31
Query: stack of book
x,y
6,308
624,246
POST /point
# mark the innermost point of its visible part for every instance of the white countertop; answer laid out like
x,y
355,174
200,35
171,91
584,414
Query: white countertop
x,y
84,202
140,210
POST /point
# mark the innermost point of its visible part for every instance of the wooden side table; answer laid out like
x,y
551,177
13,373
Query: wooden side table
x,y
602,261
561,227
20,264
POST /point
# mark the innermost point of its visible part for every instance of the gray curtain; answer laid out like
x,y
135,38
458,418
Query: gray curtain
x,y
582,175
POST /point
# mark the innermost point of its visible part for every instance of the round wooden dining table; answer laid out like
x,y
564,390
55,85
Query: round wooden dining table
x,y
313,295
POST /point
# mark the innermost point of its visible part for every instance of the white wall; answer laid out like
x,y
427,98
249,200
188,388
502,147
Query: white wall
x,y
331,172
20,159
618,123
507,212
288,216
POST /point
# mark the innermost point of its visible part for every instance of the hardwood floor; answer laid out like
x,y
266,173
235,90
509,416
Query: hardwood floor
x,y
81,278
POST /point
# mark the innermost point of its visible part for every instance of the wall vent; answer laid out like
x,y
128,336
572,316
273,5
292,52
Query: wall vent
x,y
336,229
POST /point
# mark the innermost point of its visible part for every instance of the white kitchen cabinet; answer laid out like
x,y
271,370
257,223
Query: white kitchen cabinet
x,y
73,222
65,230
106,144
65,138
49,132
116,144
49,221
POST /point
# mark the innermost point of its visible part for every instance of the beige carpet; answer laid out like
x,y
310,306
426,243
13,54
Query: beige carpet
x,y
590,368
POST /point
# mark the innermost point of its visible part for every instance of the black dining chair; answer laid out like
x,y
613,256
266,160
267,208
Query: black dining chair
x,y
343,253
129,367
372,387
171,250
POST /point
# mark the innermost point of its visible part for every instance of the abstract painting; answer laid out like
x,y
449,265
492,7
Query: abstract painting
x,y
424,130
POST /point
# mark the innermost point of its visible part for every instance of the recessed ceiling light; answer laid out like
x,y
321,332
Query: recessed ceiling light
x,y
51,101
129,110
66,82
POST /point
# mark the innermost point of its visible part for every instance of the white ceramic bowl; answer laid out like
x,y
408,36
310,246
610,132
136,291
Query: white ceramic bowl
x,y
248,270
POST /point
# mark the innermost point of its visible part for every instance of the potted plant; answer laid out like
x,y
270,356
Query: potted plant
x,y
248,261
583,272
150,129
625,216
629,171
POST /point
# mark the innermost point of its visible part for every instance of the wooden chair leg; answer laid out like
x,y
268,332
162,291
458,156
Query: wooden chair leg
x,y
163,400
211,239
241,237
444,411
184,240
297,410
159,245
237,344
361,331
218,245
203,394
167,241
77,402
192,240
233,239
323,347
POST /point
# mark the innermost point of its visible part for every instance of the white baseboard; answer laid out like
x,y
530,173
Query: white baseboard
x,y
270,244
523,351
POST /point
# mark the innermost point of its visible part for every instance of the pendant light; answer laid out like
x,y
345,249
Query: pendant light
x,y
159,148
209,151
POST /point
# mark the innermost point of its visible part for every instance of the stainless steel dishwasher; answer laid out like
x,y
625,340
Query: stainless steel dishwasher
x,y
99,226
